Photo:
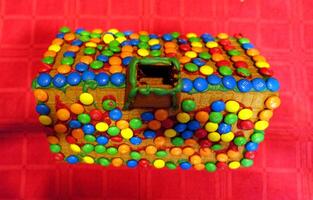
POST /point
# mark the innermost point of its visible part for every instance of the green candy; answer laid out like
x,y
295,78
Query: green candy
x,y
257,137
216,147
95,35
188,105
135,123
216,117
243,40
119,34
84,38
64,29
205,55
84,33
170,165
109,104
230,119
55,148
144,38
135,155
90,138
233,52
161,154
48,60
113,131
243,72
83,118
143,45
191,67
112,150
114,43
115,49
100,149
89,51
178,141
225,71
211,167
246,162
175,35
67,61
87,148
107,52
194,39
155,53
240,141
104,162
97,64
259,131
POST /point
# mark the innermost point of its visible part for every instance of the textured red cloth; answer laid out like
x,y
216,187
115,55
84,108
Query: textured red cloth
x,y
280,29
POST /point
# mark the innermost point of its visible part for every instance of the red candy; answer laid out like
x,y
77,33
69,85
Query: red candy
x,y
266,72
144,163
224,42
96,115
70,139
59,156
205,143
201,133
221,165
167,123
215,50
116,139
249,155
245,125
229,47
241,64
184,47
223,63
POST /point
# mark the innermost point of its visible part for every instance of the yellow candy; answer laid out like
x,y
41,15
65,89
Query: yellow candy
x,y
183,117
158,163
266,114
170,133
211,44
190,35
75,148
222,36
234,165
107,38
206,70
214,136
196,44
102,126
262,64
54,47
86,98
45,120
143,52
261,125
88,160
127,133
195,159
245,114
191,54
227,137
273,102
211,127
153,42
121,39
91,44
232,106
113,30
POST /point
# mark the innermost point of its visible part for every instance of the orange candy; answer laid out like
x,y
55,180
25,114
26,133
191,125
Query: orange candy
x,y
60,128
222,157
161,114
40,95
197,49
63,114
63,69
170,50
115,69
123,149
159,141
234,155
272,102
217,57
122,124
253,52
205,151
77,108
188,151
53,139
199,166
95,40
170,45
78,133
86,59
151,150
114,60
134,36
176,151
237,58
69,36
202,116
73,48
154,125
126,54
266,114
58,41
258,58
127,48
117,162
184,59
191,142
195,159
50,54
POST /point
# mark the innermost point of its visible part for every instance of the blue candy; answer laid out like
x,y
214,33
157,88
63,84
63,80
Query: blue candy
x,y
117,79
187,134
214,79
224,128
88,75
127,60
167,37
102,140
126,43
180,127
182,41
134,42
128,32
135,140
258,84
69,54
72,159
155,47
199,62
185,165
272,84
75,124
115,114
244,85
102,58
252,146
44,79
187,85
81,67
60,35
77,42
102,78
147,116
79,30
153,36
59,80
73,78
229,82
149,134
200,84
247,46
132,163
42,109
193,125
88,129
218,106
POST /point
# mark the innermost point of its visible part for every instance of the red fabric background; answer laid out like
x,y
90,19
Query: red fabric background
x,y
281,29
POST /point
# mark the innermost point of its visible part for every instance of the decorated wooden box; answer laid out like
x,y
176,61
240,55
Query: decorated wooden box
x,y
163,100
